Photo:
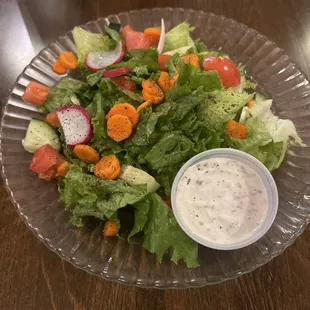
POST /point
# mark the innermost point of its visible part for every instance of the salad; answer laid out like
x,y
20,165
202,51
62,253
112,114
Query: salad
x,y
144,104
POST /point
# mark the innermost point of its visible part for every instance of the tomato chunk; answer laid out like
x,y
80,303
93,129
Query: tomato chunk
x,y
45,162
125,83
227,70
36,93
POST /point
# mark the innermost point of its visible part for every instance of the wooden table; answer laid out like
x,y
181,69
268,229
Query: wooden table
x,y
32,277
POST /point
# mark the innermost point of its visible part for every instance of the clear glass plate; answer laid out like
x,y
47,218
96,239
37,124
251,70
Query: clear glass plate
x,y
114,259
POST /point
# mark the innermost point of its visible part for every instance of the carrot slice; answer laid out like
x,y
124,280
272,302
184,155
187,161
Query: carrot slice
x,y
86,153
68,60
108,168
162,60
59,68
52,119
152,35
164,81
251,103
151,91
144,105
110,229
125,109
192,59
236,130
119,127
63,168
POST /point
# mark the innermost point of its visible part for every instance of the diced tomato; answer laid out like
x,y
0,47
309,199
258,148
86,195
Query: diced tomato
x,y
36,93
125,83
162,60
135,39
45,162
227,70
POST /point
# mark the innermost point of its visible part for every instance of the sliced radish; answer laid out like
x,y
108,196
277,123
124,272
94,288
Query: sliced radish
x,y
76,124
96,61
116,72
161,42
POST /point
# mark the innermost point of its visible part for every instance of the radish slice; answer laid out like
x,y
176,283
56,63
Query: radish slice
x,y
76,124
96,61
116,72
161,42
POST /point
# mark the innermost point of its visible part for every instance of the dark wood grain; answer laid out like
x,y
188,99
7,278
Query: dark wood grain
x,y
32,277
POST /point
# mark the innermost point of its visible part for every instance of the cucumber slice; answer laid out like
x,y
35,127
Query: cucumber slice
x,y
38,134
135,176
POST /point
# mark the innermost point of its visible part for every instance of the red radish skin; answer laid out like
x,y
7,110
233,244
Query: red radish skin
x,y
76,124
96,61
116,72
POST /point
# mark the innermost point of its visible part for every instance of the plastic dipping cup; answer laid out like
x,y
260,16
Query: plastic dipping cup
x,y
263,173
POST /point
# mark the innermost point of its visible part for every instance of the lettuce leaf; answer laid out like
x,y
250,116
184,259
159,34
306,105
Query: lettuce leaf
x,y
279,129
259,144
90,42
220,106
86,195
191,79
162,232
68,91
178,37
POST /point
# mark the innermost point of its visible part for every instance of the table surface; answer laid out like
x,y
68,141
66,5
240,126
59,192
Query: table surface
x,y
32,277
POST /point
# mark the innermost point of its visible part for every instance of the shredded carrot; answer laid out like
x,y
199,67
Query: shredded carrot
x,y
59,68
52,119
86,153
63,168
68,60
144,105
251,103
236,130
192,59
164,81
119,127
151,91
125,109
110,229
174,79
108,168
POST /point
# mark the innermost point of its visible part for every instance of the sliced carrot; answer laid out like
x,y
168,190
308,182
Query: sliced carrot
x,y
251,103
162,60
68,60
192,59
152,35
144,105
164,81
108,168
63,168
110,229
174,79
86,153
119,127
36,93
125,109
236,130
59,68
151,91
52,119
